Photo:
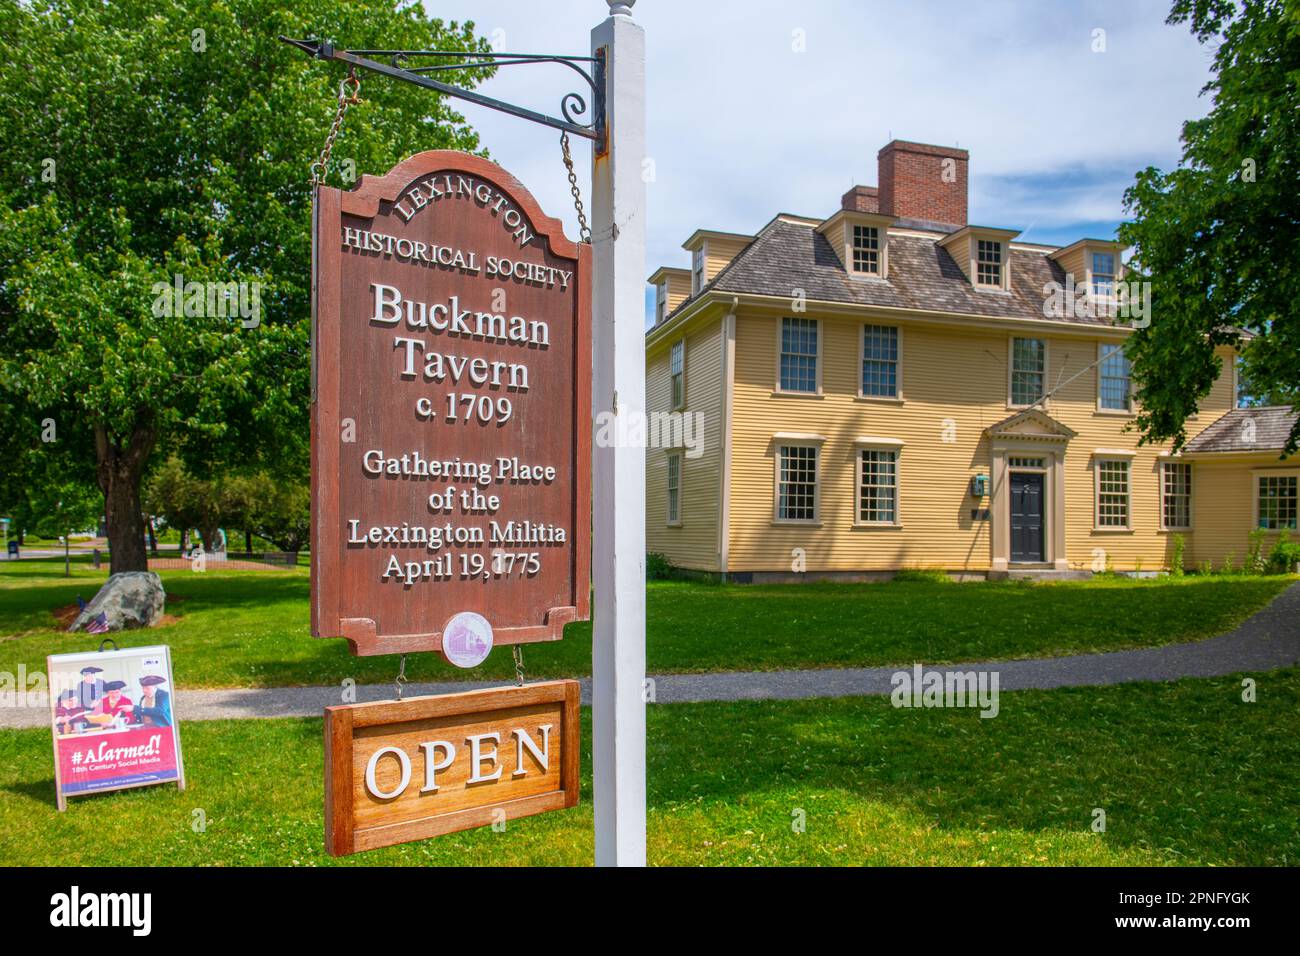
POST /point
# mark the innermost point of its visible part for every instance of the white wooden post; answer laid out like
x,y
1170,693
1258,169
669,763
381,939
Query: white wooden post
x,y
618,486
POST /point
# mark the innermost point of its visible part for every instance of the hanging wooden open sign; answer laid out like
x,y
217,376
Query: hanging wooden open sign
x,y
451,414
397,771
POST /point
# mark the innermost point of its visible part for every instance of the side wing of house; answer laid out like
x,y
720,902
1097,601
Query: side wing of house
x,y
685,425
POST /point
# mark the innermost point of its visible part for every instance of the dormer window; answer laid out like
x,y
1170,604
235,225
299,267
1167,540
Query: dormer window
x,y
661,302
988,263
1103,274
697,270
866,250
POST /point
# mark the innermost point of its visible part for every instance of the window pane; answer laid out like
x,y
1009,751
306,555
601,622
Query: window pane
x,y
988,267
1028,367
674,487
797,486
1114,378
866,249
880,361
1112,494
799,355
1176,505
1103,274
878,488
1277,502
677,363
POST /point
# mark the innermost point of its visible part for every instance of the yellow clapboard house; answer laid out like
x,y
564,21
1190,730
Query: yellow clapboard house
x,y
894,387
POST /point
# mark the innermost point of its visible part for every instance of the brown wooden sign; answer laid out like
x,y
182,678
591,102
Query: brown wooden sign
x,y
397,771
451,414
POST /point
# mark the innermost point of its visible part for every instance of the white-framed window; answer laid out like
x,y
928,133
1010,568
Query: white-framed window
x,y
1112,506
674,510
866,250
988,263
1114,378
1176,495
1275,502
677,371
1028,370
661,302
880,361
1243,397
697,270
1035,462
878,486
1103,274
796,483
798,361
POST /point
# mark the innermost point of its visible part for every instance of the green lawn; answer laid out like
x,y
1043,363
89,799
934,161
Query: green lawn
x,y
251,628
1187,774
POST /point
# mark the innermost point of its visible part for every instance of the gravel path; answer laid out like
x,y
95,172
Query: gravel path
x,y
1266,641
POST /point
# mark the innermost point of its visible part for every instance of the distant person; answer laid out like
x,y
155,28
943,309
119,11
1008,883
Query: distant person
x,y
115,704
69,715
91,688
155,707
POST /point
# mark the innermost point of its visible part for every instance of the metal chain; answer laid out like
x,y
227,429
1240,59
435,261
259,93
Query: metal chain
x,y
401,677
321,166
518,653
584,232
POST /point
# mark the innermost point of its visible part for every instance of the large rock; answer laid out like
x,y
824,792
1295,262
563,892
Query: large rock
x,y
128,599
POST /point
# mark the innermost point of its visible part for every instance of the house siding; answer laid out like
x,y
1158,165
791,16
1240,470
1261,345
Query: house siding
x,y
1223,507
954,383
694,543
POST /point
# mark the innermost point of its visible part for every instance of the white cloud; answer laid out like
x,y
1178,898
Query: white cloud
x,y
741,126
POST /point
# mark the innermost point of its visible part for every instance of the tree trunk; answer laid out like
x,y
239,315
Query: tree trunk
x,y
119,469
248,541
209,536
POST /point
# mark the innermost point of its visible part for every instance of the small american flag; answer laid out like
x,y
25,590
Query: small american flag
x,y
98,625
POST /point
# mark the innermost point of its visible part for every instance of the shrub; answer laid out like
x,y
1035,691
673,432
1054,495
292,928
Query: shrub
x,y
1254,563
1285,554
657,567
1176,558
931,575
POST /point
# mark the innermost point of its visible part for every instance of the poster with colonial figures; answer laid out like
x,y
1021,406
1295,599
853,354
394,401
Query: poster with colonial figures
x,y
113,721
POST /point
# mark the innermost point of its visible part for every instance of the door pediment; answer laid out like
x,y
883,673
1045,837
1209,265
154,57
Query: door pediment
x,y
1030,424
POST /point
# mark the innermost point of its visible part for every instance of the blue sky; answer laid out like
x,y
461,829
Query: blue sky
x,y
742,124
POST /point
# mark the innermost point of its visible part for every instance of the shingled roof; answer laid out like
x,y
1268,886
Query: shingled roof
x,y
1272,425
787,255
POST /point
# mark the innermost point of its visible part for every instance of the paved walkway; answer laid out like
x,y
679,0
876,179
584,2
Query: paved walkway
x,y
1266,641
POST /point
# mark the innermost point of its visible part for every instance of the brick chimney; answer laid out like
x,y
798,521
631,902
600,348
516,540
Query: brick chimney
x,y
918,181
861,199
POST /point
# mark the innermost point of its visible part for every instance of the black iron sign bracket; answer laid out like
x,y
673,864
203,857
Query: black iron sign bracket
x,y
573,106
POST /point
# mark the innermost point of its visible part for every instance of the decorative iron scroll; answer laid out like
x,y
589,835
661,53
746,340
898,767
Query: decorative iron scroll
x,y
573,106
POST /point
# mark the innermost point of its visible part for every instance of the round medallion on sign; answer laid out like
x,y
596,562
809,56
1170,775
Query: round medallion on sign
x,y
467,639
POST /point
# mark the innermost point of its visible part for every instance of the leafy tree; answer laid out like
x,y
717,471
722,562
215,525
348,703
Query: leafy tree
x,y
273,506
283,514
146,140
35,478
1219,236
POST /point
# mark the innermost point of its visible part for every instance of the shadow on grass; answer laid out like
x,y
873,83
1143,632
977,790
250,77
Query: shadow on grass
x,y
1187,771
